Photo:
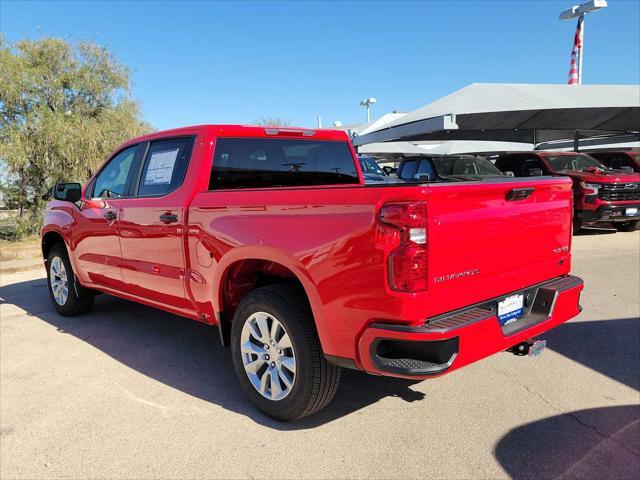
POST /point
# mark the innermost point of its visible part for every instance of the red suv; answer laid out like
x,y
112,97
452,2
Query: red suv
x,y
600,193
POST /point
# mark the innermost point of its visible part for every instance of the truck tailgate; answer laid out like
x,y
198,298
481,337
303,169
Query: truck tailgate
x,y
483,243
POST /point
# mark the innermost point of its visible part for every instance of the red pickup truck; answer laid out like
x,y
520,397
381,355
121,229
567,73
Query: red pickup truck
x,y
601,194
273,235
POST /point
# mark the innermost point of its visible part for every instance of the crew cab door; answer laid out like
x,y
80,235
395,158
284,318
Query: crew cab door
x,y
97,246
151,224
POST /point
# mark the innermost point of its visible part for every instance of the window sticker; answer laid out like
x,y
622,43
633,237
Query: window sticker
x,y
160,167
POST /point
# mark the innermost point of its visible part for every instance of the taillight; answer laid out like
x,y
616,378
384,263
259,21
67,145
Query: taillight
x,y
408,262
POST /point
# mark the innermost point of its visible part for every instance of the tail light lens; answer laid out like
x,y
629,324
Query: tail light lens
x,y
408,262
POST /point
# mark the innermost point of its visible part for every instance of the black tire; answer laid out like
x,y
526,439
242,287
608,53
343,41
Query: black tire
x,y
630,226
577,226
79,300
316,381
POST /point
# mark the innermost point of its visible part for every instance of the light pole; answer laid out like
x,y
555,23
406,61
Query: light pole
x,y
579,11
367,102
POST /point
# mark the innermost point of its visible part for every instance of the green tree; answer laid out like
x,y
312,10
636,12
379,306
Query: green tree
x,y
272,122
63,107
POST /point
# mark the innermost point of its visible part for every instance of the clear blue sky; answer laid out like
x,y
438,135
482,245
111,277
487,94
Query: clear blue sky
x,y
211,62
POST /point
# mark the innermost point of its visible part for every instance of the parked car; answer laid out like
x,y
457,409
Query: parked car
x,y
623,159
372,172
600,194
273,235
461,167
389,170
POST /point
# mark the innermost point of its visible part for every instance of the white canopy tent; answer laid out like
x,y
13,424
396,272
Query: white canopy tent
x,y
523,113
392,148
377,124
455,147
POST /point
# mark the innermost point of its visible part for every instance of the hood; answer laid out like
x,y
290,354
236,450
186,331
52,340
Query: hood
x,y
596,175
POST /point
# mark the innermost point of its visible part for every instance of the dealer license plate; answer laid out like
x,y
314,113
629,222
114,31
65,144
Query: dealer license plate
x,y
510,309
537,348
631,212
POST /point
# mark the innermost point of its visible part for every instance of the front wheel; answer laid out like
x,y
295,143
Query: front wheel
x,y
68,298
277,355
630,226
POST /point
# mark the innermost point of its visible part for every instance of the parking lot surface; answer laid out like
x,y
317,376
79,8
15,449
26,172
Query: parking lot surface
x,y
130,392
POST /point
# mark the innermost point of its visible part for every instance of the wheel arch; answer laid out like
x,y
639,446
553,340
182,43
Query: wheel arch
x,y
49,239
52,235
243,271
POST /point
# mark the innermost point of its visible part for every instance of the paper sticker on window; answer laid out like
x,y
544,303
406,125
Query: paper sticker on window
x,y
160,167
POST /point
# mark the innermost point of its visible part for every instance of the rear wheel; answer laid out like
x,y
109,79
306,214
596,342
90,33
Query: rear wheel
x,y
577,225
277,355
630,226
68,298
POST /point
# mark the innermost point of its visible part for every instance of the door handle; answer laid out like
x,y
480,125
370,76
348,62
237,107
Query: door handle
x,y
111,215
519,194
168,218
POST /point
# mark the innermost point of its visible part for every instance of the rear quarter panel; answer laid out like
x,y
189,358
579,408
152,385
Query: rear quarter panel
x,y
328,237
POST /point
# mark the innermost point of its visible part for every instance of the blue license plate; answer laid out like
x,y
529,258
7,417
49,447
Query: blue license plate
x,y
510,309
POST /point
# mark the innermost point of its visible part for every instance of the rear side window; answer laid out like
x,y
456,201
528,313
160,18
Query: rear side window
x,y
520,165
164,166
279,162
505,164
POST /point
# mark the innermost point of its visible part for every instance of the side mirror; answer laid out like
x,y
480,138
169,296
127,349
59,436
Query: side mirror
x,y
389,170
534,172
67,192
509,173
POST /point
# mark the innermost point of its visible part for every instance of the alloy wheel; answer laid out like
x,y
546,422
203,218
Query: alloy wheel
x,y
58,281
268,356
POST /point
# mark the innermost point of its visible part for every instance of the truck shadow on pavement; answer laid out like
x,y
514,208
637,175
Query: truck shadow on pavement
x,y
610,347
187,355
597,443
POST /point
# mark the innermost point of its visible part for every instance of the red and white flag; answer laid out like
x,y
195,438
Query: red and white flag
x,y
576,52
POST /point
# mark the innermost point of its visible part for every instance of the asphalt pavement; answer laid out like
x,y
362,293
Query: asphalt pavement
x,y
130,392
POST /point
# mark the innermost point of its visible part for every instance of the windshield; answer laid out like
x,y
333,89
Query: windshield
x,y
576,162
472,166
369,165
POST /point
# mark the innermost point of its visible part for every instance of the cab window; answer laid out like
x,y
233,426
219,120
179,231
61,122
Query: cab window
x,y
520,165
115,177
280,162
164,166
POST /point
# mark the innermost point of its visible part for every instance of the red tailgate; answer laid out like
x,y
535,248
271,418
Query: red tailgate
x,y
489,238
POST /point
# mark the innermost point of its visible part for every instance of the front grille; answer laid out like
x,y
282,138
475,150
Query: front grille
x,y
619,192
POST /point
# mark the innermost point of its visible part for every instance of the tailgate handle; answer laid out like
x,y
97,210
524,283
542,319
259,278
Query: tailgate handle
x,y
519,193
168,218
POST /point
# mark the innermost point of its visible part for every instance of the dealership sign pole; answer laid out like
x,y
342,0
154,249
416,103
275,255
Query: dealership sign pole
x,y
579,11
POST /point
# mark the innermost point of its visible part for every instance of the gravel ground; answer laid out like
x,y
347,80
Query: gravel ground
x,y
131,392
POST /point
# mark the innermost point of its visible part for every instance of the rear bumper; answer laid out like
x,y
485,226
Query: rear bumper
x,y
448,342
609,213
